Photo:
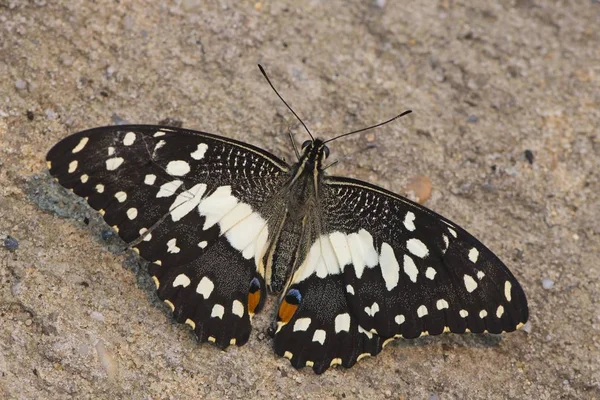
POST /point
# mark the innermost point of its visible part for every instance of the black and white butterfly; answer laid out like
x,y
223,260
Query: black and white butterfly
x,y
223,222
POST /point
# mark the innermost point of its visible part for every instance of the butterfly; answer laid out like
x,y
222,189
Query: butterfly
x,y
222,223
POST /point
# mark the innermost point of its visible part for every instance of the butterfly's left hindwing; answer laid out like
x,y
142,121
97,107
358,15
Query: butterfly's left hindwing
x,y
392,269
193,204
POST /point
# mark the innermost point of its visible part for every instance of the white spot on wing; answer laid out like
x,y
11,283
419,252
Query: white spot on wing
x,y
390,269
473,255
480,275
500,311
121,196
258,247
409,221
158,145
150,179
342,323
132,213
84,178
422,311
217,311
319,336
147,236
463,313
181,280
111,150
217,205
329,253
371,311
399,319
416,247
366,332
349,289
482,314
178,168
410,268
72,166
237,308
242,229
186,201
441,304
80,145
158,134
198,154
452,232
321,260
362,250
114,163
340,247
507,288
168,189
470,283
205,287
172,246
129,139
430,273
100,188
203,244
301,324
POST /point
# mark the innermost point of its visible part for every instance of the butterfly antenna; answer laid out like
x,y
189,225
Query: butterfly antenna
x,y
370,127
262,70
291,135
350,155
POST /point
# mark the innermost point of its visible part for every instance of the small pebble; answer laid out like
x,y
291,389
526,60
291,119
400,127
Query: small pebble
x,y
128,22
28,322
51,115
547,283
10,243
175,123
527,327
434,396
97,316
20,84
107,234
107,360
472,119
380,3
419,188
30,115
110,70
117,120
529,156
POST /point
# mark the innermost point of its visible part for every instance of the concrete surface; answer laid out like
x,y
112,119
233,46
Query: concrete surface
x,y
487,80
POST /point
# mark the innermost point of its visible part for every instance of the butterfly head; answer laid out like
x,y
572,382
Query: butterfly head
x,y
314,153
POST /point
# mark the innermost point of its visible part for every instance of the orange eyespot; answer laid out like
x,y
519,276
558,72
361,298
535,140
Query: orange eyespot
x,y
253,301
289,305
286,311
254,296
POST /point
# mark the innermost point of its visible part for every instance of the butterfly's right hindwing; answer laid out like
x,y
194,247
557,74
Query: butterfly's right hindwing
x,y
193,204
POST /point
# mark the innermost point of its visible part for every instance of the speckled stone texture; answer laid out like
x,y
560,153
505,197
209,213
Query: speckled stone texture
x,y
487,81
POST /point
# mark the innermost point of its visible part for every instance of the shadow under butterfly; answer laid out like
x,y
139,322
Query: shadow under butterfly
x,y
223,222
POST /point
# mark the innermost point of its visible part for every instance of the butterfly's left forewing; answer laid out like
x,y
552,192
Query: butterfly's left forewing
x,y
193,204
392,268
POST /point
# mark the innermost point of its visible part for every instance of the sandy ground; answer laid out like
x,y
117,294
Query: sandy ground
x,y
79,319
